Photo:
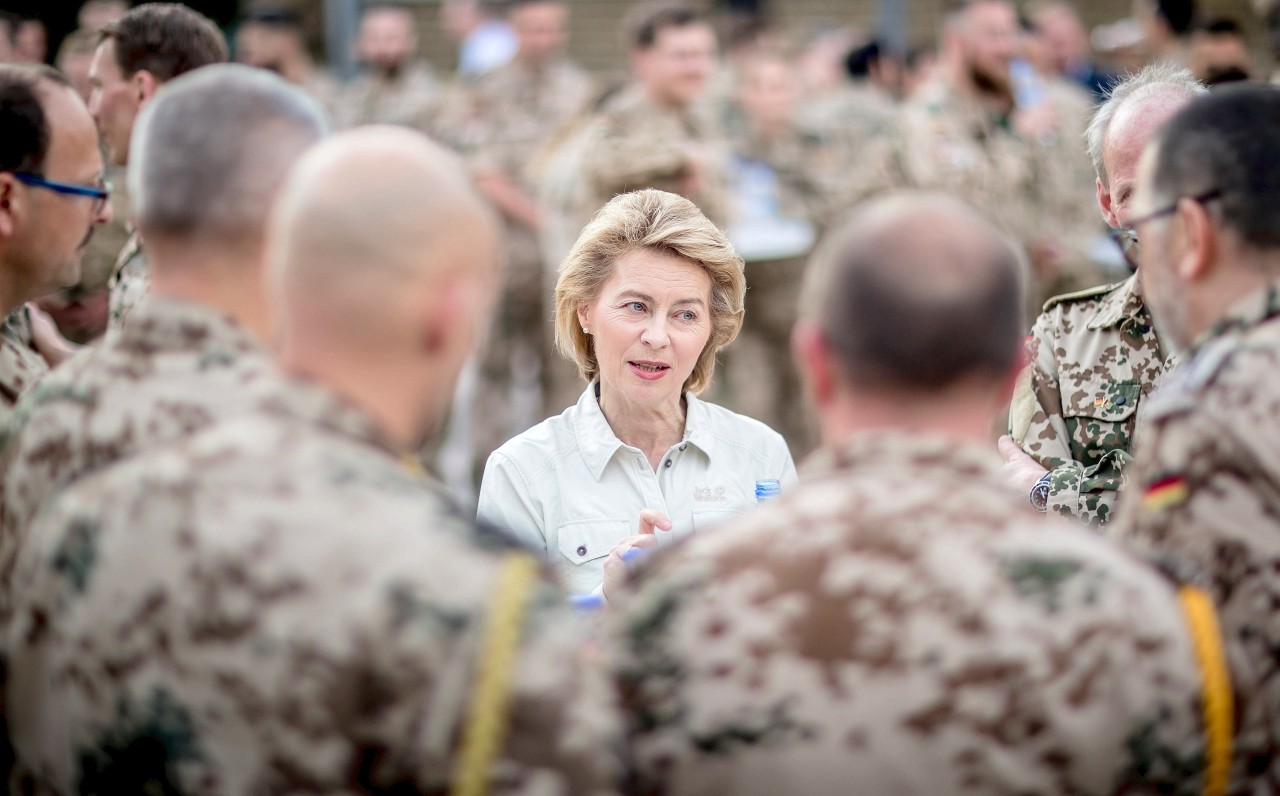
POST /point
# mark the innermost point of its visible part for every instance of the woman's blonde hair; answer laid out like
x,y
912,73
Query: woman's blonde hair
x,y
661,222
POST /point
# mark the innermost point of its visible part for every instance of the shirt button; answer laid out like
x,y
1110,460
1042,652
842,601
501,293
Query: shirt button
x,y
667,463
582,550
1144,329
1120,400
685,445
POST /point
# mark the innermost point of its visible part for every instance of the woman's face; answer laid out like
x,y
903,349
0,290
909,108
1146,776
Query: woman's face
x,y
649,325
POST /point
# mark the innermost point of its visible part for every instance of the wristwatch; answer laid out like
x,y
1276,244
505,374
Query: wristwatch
x,y
1040,493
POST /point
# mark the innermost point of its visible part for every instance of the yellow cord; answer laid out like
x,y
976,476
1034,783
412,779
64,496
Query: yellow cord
x,y
487,718
413,465
1219,709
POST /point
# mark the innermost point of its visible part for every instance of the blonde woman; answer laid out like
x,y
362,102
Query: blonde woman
x,y
647,297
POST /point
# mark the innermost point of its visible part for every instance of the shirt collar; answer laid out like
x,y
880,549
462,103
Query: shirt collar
x,y
598,443
162,323
1119,306
923,455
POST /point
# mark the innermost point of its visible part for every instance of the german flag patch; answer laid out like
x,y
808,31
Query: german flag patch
x,y
1164,493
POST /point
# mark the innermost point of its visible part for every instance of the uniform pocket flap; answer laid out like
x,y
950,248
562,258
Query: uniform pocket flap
x,y
584,540
1103,399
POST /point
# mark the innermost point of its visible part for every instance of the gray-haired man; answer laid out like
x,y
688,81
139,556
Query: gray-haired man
x,y
1095,354
206,164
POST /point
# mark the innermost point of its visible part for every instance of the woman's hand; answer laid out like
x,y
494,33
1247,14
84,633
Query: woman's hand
x,y
615,566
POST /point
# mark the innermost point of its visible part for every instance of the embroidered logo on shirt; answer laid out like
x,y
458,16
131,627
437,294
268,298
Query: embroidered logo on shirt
x,y
706,494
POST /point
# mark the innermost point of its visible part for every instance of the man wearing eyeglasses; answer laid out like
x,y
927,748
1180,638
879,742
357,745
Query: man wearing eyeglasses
x,y
1205,483
51,198
1094,355
136,55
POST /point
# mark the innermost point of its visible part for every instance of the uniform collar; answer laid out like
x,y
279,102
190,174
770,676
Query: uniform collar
x,y
317,405
920,454
598,443
1119,306
20,365
1254,309
162,323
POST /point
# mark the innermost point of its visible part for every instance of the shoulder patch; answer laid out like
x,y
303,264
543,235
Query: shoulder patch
x,y
1081,295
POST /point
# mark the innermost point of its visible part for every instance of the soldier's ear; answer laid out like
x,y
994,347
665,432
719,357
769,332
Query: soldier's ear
x,y
144,86
815,361
9,205
1104,204
1201,241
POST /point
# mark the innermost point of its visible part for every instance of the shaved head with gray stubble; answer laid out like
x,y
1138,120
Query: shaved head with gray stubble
x,y
916,292
213,149
385,263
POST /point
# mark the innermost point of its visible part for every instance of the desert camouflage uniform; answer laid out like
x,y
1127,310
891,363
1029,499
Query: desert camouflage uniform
x,y
901,623
20,365
951,144
410,100
1094,356
947,143
862,123
174,368
504,120
1205,483
634,143
129,283
278,606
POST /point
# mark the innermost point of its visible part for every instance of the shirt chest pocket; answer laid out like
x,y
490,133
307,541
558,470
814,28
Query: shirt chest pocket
x,y
1099,415
585,540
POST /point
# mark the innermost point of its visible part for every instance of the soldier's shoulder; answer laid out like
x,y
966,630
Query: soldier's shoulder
x,y
1083,299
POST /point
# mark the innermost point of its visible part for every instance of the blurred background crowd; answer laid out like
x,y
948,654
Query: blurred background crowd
x,y
773,117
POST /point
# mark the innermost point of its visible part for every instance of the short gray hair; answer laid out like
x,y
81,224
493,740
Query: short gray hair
x,y
212,149
1160,77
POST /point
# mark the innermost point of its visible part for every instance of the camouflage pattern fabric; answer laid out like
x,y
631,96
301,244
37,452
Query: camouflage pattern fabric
x,y
948,143
900,622
20,365
1094,357
633,143
129,284
409,99
1205,487
278,606
174,368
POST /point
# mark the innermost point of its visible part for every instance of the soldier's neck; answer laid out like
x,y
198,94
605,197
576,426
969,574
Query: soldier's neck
x,y
962,412
226,278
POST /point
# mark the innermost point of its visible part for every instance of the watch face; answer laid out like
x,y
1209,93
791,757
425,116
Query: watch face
x,y
1040,496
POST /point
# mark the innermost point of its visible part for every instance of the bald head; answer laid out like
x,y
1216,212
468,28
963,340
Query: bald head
x,y
372,207
916,292
385,261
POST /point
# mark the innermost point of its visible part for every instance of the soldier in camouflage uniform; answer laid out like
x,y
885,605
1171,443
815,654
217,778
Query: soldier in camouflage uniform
x,y
964,133
654,133
146,47
49,136
1096,354
395,88
192,354
901,622
1205,483
500,123
300,611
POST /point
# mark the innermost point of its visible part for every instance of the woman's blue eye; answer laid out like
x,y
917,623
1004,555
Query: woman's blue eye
x,y
636,306
688,316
